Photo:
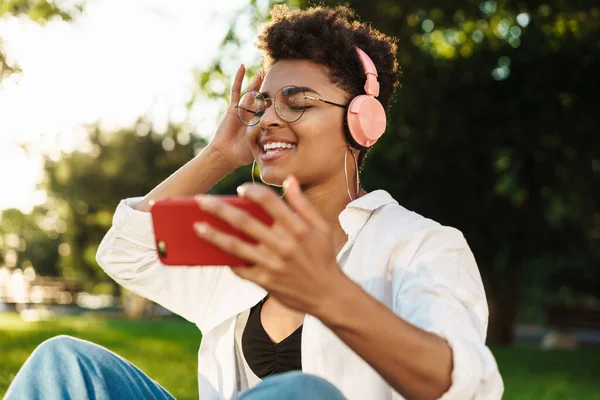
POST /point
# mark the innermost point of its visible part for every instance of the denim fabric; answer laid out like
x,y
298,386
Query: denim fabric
x,y
293,385
65,367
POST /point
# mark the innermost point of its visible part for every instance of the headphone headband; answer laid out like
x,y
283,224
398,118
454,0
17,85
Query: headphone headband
x,y
371,85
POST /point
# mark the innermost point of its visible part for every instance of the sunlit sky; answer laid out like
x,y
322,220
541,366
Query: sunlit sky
x,y
119,60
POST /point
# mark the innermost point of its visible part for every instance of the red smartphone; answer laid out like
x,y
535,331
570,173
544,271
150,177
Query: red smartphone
x,y
177,242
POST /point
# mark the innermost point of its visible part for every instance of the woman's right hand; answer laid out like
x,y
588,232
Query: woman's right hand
x,y
230,140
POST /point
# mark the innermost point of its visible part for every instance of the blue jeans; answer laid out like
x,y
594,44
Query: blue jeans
x,y
68,368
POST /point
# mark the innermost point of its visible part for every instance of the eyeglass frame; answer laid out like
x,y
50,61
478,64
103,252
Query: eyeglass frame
x,y
272,101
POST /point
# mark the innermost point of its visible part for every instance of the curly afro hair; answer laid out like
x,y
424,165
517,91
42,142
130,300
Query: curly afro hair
x,y
327,36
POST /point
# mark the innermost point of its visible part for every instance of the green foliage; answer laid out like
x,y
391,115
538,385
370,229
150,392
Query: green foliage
x,y
39,11
30,240
490,134
495,132
88,185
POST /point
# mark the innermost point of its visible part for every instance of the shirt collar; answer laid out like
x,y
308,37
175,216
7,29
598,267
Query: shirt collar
x,y
358,211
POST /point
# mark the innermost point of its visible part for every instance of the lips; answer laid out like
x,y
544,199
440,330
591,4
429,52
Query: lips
x,y
276,154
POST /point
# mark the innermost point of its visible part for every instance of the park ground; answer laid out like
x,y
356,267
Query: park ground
x,y
166,349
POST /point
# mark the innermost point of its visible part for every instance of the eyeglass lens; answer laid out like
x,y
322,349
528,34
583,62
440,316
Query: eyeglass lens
x,y
290,103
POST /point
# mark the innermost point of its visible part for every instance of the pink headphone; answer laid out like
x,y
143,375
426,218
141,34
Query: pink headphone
x,y
365,116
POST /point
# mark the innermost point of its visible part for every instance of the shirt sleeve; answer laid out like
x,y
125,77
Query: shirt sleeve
x,y
440,290
127,254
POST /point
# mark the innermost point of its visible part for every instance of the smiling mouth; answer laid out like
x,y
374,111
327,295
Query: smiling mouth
x,y
276,153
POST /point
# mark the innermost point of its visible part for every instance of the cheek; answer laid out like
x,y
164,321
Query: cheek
x,y
252,133
321,141
323,129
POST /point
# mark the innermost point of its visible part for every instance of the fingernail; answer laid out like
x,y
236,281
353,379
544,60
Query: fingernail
x,y
200,227
289,182
205,201
241,190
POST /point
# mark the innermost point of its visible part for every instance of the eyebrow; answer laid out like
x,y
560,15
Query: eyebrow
x,y
303,88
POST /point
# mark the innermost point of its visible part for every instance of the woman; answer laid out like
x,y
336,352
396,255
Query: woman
x,y
349,296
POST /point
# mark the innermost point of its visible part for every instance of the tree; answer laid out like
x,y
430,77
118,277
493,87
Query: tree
x,y
34,237
30,240
494,132
39,11
88,184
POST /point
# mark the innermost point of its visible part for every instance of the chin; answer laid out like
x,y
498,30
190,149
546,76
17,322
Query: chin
x,y
275,175
271,179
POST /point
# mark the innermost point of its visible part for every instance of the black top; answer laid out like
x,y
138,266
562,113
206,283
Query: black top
x,y
264,357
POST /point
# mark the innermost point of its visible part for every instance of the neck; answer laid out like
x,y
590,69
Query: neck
x,y
330,199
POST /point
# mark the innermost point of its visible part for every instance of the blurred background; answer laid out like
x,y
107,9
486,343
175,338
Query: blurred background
x,y
495,131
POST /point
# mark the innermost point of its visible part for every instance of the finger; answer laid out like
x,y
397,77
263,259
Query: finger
x,y
302,205
253,274
257,81
276,207
237,84
228,243
279,241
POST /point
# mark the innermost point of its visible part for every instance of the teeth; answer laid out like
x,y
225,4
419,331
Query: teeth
x,y
278,145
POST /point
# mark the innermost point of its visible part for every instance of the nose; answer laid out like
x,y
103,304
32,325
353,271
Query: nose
x,y
270,119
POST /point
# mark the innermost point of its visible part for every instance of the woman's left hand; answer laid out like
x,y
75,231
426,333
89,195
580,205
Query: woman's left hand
x,y
294,259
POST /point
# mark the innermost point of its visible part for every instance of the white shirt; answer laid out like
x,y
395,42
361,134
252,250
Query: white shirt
x,y
423,271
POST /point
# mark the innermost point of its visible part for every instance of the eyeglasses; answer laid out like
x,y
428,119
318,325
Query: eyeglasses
x,y
290,104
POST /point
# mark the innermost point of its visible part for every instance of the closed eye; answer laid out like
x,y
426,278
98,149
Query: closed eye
x,y
245,109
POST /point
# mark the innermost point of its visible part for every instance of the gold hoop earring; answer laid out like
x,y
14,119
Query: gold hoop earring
x,y
346,172
252,173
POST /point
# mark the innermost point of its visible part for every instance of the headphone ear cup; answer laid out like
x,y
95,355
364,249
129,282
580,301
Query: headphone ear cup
x,y
366,120
349,137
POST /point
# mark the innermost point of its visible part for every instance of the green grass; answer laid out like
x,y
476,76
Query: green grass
x,y
167,351
531,373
